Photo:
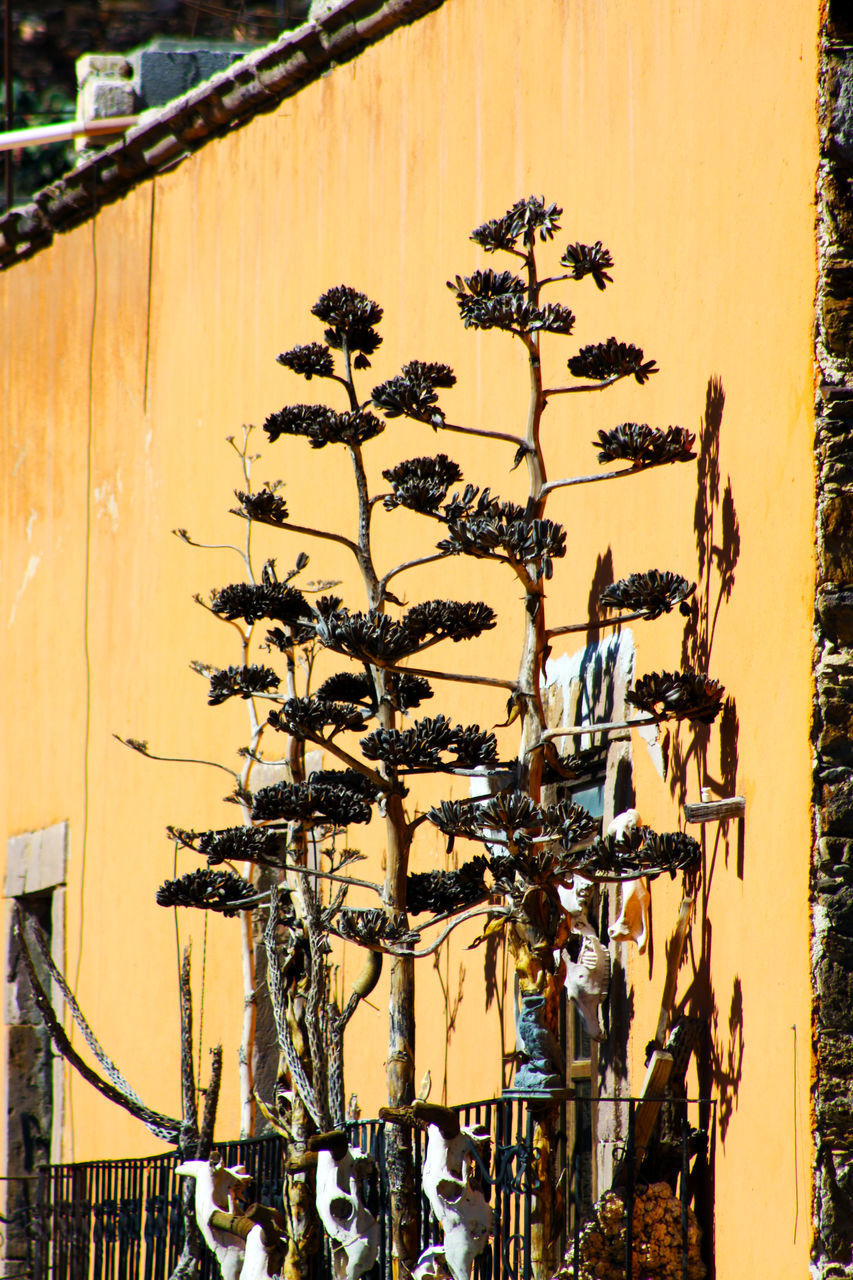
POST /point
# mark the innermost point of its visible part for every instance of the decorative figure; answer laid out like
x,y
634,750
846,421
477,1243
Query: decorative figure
x,y
633,922
340,1206
216,1188
577,897
544,1068
451,1184
588,980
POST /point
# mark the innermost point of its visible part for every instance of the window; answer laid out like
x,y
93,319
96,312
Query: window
x,y
35,880
585,688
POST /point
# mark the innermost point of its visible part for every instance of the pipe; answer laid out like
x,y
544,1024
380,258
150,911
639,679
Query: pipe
x,y
44,134
9,92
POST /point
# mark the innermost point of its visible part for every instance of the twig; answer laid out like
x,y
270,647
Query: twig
x,y
454,924
586,386
605,475
206,546
288,527
149,755
411,564
519,441
450,675
578,730
596,622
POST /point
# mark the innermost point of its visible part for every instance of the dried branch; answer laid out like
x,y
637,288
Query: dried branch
x,y
163,1127
142,748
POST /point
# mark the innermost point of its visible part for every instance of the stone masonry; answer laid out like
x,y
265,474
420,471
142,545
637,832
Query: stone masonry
x,y
832,863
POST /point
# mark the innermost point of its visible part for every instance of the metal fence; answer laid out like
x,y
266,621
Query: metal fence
x,y
121,1219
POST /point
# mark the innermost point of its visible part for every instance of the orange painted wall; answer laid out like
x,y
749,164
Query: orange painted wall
x,y
682,136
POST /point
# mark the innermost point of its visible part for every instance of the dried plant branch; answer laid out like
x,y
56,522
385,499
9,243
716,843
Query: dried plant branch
x,y
142,748
586,386
597,622
518,441
604,475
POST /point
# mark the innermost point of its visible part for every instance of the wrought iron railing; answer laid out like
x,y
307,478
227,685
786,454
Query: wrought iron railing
x,y
121,1219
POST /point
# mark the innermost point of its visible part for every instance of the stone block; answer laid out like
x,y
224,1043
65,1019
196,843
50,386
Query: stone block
x,y
113,66
36,861
835,532
834,983
841,109
101,99
836,808
167,69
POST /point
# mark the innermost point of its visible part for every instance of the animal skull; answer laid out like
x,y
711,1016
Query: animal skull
x,y
450,1184
588,980
577,897
216,1187
341,1208
633,922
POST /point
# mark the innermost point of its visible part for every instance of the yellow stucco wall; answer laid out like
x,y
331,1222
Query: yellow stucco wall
x,y
684,137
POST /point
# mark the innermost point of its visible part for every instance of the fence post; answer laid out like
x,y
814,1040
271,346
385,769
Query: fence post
x,y
685,1190
629,1196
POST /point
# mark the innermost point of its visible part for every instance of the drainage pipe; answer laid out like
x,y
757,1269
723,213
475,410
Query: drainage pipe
x,y
44,134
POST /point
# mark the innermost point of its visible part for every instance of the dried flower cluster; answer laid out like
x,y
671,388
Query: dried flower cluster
x,y
308,717
523,221
264,506
657,1240
589,260
641,851
444,891
372,928
602,361
238,682
429,743
406,691
680,695
314,359
651,593
496,300
516,818
377,637
321,425
421,484
232,844
252,601
480,525
336,796
351,318
210,890
645,446
412,394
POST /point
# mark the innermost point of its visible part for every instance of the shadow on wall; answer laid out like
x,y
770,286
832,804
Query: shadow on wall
x,y
707,758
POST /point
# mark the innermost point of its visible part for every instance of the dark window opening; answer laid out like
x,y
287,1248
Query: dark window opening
x,y
29,1112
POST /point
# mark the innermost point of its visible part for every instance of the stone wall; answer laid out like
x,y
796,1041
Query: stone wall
x,y
832,871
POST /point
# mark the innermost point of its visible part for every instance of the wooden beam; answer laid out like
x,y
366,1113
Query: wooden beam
x,y
715,810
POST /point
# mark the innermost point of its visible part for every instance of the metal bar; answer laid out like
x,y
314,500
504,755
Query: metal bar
x,y
496,1129
576,1225
629,1197
685,1191
528,1201
10,92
